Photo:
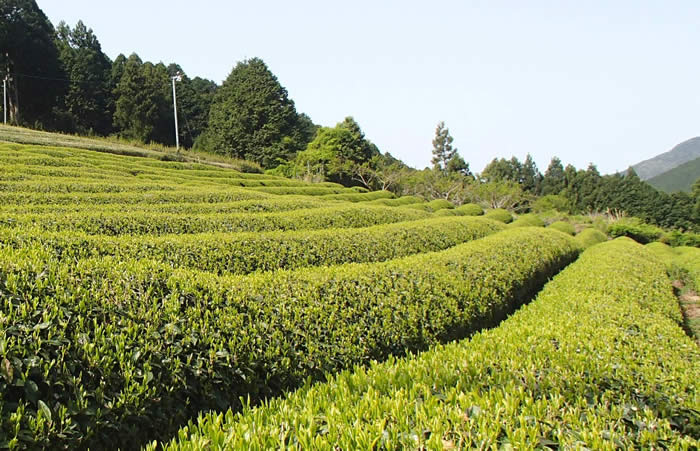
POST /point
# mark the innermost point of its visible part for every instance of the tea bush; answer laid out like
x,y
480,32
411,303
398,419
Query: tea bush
x,y
579,368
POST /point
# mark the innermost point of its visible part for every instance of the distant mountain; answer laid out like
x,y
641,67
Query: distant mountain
x,y
680,178
684,152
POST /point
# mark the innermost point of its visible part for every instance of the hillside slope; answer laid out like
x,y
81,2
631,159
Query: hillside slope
x,y
680,154
680,178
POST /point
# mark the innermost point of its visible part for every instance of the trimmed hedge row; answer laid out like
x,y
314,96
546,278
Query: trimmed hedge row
x,y
528,220
470,210
105,354
594,362
269,205
308,190
500,214
563,226
403,200
115,223
153,197
588,237
243,253
360,197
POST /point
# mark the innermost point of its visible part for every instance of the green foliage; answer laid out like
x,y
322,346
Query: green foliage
x,y
403,200
243,253
590,236
528,220
144,102
563,226
499,195
253,118
548,377
89,98
550,202
554,180
93,344
334,154
470,210
499,214
635,229
676,238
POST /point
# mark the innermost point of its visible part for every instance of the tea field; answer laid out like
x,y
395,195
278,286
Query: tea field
x,y
164,304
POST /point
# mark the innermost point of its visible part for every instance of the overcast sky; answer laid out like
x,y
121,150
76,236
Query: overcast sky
x,y
608,82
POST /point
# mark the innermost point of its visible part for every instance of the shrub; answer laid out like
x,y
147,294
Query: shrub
x,y
445,212
588,237
470,210
563,226
499,214
528,220
242,253
550,202
106,353
635,229
115,223
677,238
548,377
440,204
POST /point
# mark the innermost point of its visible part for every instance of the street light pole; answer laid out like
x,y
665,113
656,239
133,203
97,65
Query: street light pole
x,y
177,77
4,100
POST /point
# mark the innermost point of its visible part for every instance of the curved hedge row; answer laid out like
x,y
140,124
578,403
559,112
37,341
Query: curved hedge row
x,y
242,253
590,364
588,237
104,354
153,197
360,197
528,220
470,210
269,205
115,223
500,214
564,227
403,200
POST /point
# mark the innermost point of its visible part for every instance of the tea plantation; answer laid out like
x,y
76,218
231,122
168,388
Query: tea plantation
x,y
160,304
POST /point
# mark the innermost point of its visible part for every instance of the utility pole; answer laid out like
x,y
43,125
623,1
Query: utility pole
x,y
177,77
4,99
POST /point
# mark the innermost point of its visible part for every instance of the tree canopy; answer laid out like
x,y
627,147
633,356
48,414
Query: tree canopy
x,y
30,58
252,117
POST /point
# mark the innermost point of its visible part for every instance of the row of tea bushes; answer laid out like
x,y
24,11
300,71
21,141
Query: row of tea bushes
x,y
115,223
500,214
242,253
590,236
105,353
153,197
361,197
269,205
597,361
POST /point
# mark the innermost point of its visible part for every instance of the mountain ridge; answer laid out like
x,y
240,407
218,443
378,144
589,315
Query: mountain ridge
x,y
682,153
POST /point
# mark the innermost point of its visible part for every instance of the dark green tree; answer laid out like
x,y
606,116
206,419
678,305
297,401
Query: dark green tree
x,y
194,99
553,181
143,107
502,170
443,151
457,165
340,154
88,99
28,55
530,177
252,117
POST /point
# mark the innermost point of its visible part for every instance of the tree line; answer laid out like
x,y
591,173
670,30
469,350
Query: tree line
x,y
60,80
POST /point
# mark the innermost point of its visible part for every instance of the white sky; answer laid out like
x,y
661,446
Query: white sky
x,y
608,82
